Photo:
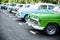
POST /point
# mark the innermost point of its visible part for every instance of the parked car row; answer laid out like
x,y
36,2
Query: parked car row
x,y
41,16
22,14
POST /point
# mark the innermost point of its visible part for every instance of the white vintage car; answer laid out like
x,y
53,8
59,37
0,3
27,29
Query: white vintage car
x,y
4,6
17,7
20,7
11,6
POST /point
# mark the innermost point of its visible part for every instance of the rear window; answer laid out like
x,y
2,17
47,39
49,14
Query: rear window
x,y
12,4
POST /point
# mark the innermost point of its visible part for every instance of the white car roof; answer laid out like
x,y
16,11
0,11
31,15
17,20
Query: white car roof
x,y
20,4
45,4
38,4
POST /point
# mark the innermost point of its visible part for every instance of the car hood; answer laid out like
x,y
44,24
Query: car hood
x,y
2,5
45,15
26,9
11,6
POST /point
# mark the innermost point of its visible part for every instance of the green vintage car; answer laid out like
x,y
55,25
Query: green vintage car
x,y
49,22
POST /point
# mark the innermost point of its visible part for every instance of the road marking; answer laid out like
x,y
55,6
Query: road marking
x,y
14,19
20,23
33,32
10,16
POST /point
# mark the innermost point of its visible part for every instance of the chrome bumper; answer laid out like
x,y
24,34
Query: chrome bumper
x,y
35,26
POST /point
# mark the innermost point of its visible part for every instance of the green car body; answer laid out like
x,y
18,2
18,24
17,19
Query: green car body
x,y
41,20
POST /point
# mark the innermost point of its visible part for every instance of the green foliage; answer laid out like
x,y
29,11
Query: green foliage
x,y
0,0
52,1
32,1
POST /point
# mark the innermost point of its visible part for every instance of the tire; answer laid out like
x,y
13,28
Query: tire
x,y
51,29
26,18
10,11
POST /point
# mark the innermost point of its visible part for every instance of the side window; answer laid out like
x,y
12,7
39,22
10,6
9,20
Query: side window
x,y
20,5
5,4
50,7
27,6
43,6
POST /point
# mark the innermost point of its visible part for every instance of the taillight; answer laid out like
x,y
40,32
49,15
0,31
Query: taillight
x,y
17,8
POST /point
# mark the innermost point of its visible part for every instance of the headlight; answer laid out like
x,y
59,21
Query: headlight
x,y
37,19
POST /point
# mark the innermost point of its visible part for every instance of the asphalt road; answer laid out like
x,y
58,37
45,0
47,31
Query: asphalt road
x,y
11,29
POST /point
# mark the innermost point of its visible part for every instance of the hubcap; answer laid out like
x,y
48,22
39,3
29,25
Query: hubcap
x,y
51,30
26,18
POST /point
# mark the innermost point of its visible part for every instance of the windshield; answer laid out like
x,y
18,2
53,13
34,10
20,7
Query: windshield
x,y
32,7
20,5
12,4
4,4
27,6
57,9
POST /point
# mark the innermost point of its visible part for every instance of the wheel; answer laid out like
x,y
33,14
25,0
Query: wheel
x,y
51,29
10,11
26,18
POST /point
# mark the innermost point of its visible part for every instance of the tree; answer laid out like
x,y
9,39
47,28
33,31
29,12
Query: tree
x,y
0,1
58,1
45,1
53,1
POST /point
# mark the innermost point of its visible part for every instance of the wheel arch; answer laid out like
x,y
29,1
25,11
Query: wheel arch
x,y
52,23
25,15
56,28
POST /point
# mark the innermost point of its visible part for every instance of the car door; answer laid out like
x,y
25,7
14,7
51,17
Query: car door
x,y
43,8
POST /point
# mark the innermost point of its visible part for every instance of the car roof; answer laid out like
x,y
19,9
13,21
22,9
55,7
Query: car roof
x,y
45,4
